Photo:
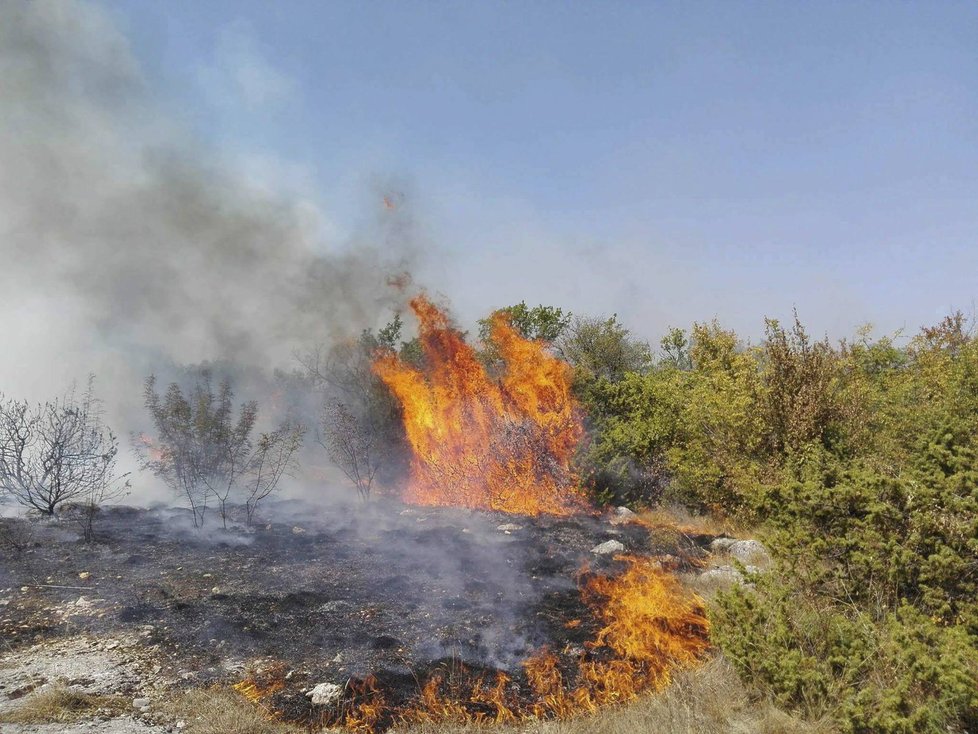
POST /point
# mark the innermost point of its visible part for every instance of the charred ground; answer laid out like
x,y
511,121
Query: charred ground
x,y
312,596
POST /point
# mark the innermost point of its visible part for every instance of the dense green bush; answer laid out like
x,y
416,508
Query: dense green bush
x,y
859,464
901,674
872,615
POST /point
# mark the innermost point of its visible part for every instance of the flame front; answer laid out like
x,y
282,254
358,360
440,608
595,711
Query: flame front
x,y
496,443
648,626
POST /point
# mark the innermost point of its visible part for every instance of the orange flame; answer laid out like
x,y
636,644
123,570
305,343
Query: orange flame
x,y
483,442
262,685
154,452
650,626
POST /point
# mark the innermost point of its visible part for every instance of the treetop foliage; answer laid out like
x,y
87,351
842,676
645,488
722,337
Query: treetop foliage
x,y
858,462
542,323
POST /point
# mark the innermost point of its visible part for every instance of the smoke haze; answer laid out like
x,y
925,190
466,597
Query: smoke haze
x,y
128,246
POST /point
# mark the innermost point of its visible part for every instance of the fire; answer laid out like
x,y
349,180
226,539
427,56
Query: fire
x,y
505,442
154,452
647,627
650,626
261,685
481,441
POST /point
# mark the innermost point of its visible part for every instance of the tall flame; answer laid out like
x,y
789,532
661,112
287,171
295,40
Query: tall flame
x,y
497,443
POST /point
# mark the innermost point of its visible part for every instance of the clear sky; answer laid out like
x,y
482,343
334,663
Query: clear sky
x,y
668,161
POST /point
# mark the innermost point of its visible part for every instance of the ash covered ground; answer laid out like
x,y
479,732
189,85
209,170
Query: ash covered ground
x,y
319,596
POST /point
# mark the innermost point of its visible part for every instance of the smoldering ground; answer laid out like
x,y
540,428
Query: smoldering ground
x,y
330,594
128,246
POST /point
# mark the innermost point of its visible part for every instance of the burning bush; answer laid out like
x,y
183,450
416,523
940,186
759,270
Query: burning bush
x,y
501,443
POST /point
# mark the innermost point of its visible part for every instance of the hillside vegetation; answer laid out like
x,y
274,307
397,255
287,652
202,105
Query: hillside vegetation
x,y
857,463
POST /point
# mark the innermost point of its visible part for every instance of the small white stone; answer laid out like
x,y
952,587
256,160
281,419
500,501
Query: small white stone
x,y
622,516
325,694
607,548
509,527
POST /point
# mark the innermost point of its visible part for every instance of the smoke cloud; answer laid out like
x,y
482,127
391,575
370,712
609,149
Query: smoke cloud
x,y
127,245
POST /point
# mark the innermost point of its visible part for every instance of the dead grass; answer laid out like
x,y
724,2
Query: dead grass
x,y
223,711
707,700
59,705
691,523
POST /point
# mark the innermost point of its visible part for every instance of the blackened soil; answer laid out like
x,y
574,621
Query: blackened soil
x,y
336,595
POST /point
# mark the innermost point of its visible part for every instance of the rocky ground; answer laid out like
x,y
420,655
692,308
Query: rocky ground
x,y
319,597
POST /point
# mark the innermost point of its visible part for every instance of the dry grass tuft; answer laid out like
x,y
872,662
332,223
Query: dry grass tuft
x,y
59,705
223,711
682,520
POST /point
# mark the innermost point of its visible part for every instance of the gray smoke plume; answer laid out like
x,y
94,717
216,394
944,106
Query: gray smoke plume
x,y
126,245
120,234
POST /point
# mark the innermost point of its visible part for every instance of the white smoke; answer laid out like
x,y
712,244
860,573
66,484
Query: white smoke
x,y
126,246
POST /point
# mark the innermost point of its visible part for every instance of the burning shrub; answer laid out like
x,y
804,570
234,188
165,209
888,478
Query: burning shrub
x,y
202,452
502,443
540,323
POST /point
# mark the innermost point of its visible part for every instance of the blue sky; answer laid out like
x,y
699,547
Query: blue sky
x,y
667,161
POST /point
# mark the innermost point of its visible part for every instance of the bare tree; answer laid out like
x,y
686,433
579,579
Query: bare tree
x,y
351,445
272,458
56,452
227,448
360,425
86,508
176,456
204,452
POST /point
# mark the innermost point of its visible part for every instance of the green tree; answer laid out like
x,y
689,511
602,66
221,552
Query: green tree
x,y
675,350
542,323
602,349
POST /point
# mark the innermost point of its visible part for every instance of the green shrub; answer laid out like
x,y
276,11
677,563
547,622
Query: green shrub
x,y
903,674
872,616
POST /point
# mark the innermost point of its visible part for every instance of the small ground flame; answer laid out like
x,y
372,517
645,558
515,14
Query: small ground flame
x,y
497,443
